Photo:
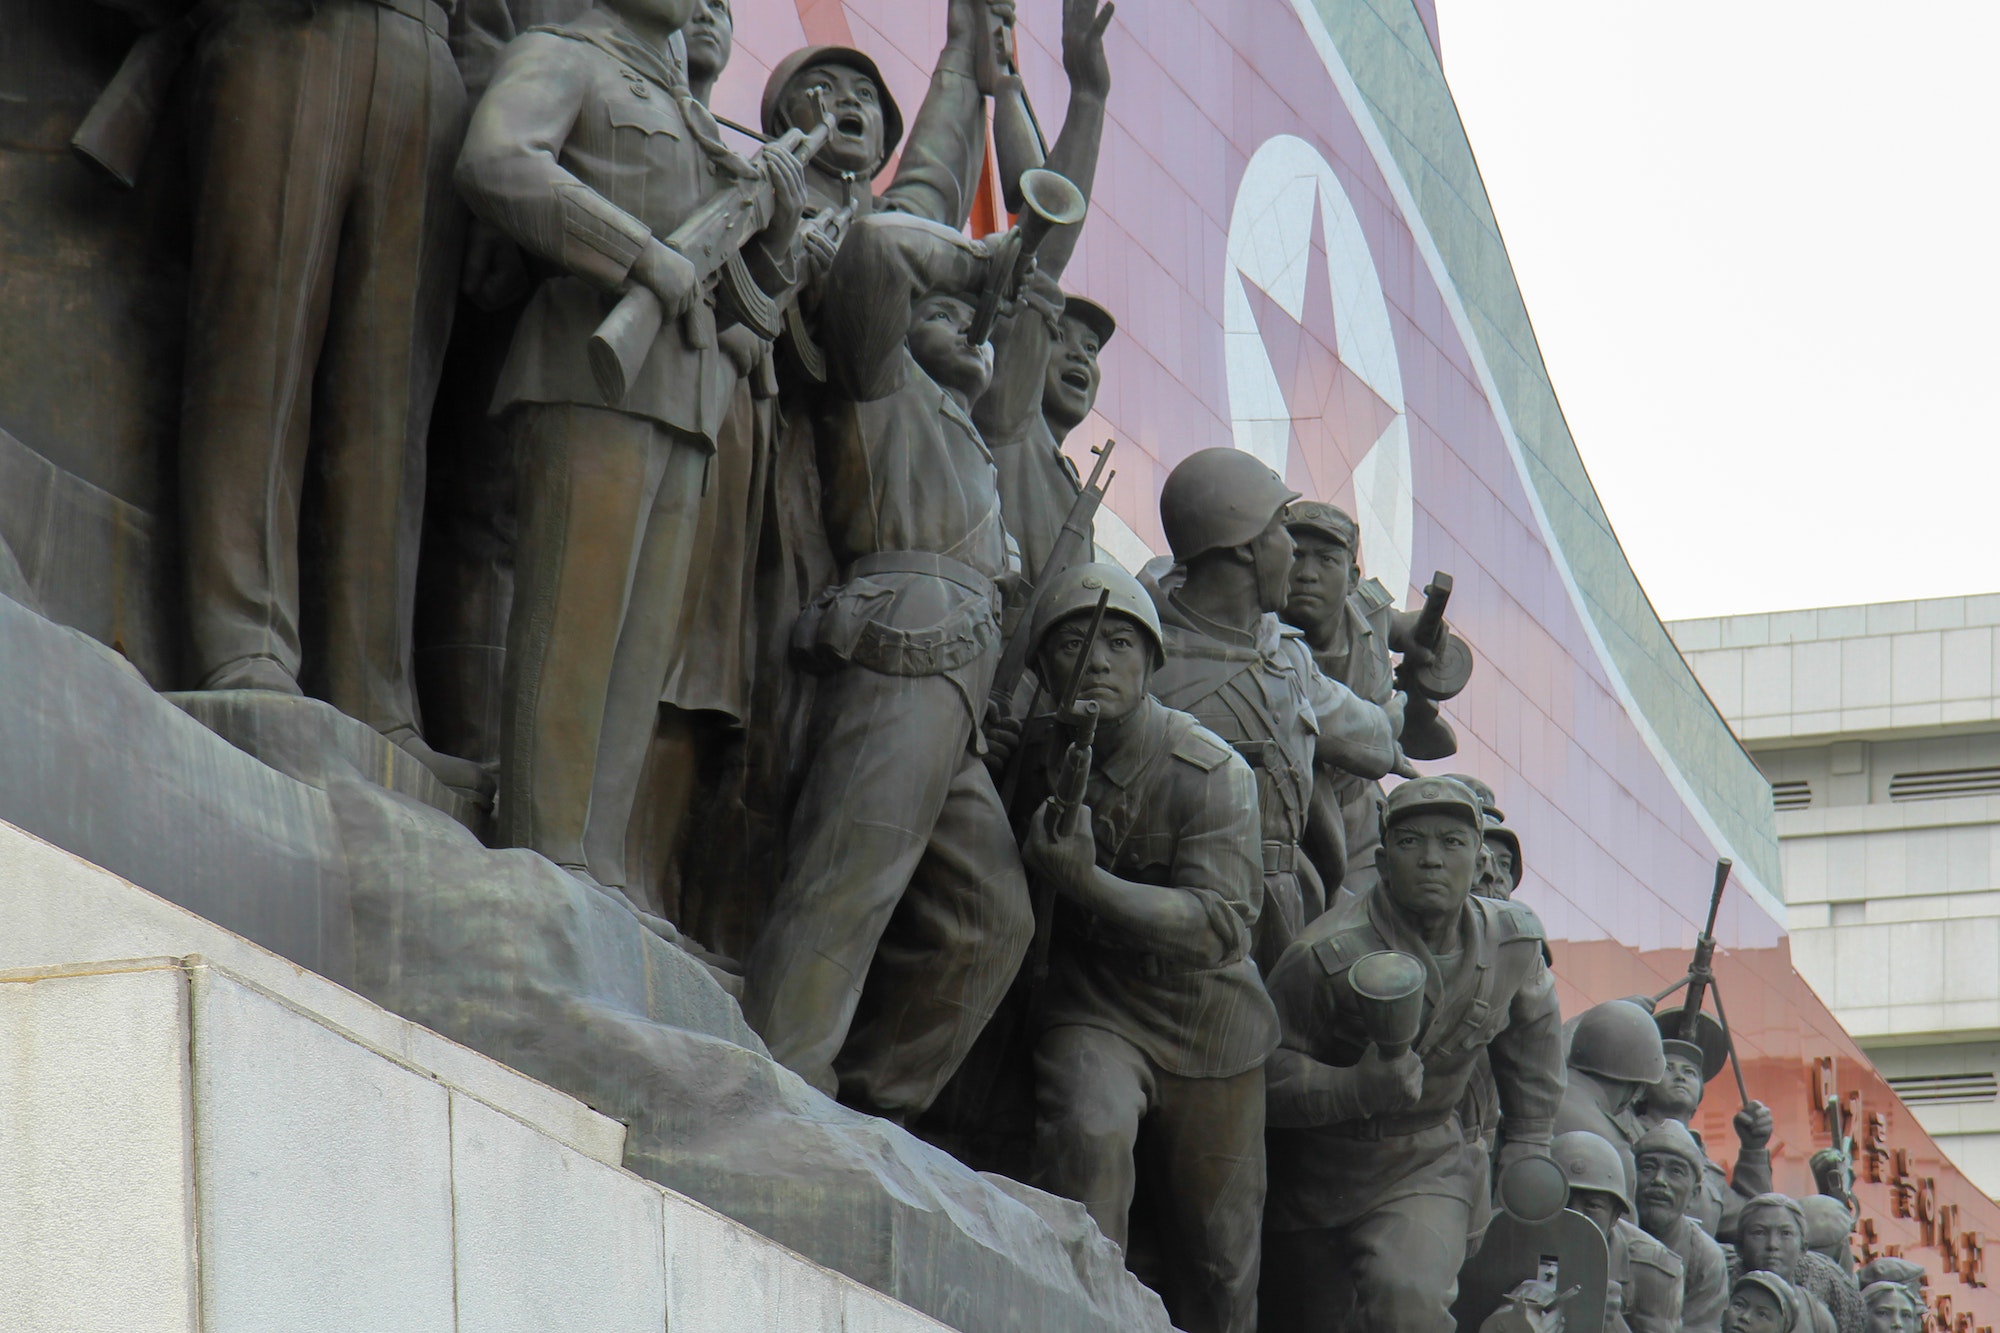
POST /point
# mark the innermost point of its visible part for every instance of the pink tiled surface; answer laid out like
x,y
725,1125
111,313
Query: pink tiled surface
x,y
1618,867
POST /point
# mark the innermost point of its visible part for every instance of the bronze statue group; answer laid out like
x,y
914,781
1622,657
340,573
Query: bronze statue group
x,y
744,480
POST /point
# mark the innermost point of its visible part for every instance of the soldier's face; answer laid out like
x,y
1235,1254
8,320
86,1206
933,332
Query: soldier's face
x,y
1322,576
710,34
1601,1208
937,341
1069,386
855,103
1427,862
1503,860
1770,1239
1753,1310
1679,1093
1666,1183
1893,1312
1115,673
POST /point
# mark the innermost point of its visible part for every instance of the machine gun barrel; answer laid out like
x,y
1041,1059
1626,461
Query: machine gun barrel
x,y
1072,783
1701,973
711,240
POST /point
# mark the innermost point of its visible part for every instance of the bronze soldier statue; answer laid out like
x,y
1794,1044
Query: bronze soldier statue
x,y
1646,1276
588,149
1350,623
1045,373
1374,1186
1771,1235
899,839
1676,1096
326,245
1250,680
1614,1055
1152,1018
1503,868
1892,1308
1670,1167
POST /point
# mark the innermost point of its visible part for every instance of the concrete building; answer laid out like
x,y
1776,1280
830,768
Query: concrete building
x,y
1879,729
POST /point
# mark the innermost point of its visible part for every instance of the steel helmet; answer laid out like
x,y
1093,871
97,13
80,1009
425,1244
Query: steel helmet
x,y
1219,498
1618,1040
773,110
1076,590
1589,1162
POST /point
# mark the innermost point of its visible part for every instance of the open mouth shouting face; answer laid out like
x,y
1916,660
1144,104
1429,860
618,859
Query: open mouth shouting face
x,y
1071,384
855,103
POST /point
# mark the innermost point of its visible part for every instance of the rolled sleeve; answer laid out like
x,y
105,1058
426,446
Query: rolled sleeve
x,y
1219,860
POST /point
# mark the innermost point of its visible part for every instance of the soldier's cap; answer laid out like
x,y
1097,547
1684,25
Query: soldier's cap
x,y
1478,788
1326,520
1709,1049
1875,1294
1428,795
1772,1200
1091,315
773,111
1893,1268
1671,1136
1827,1221
1781,1291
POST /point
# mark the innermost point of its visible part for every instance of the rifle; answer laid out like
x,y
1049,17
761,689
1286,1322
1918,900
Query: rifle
x,y
1050,201
1700,982
1448,664
1069,543
1072,780
712,241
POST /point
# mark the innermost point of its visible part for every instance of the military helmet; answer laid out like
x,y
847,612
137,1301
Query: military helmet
x,y
773,109
1430,795
1091,315
1496,829
1326,520
1671,1136
1076,590
1618,1040
1589,1162
1216,499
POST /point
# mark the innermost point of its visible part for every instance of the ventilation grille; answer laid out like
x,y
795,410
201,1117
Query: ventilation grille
x,y
1943,783
1795,795
1946,1089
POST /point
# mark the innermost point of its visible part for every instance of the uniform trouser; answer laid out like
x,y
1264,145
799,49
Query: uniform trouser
x,y
903,874
1204,1140
320,296
608,504
1282,919
1393,1270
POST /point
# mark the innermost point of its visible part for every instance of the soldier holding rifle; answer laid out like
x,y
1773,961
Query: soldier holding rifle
x,y
1152,1016
589,150
1374,1186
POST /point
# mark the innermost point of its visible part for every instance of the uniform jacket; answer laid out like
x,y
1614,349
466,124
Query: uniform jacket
x,y
905,475
1038,483
1495,996
1341,828
1704,1276
585,146
1263,694
1176,807
1653,1277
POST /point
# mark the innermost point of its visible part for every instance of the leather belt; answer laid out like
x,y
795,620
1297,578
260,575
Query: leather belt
x,y
1280,857
917,562
1388,1126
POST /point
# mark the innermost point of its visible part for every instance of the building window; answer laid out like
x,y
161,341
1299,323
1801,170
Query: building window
x,y
1946,1089
1942,783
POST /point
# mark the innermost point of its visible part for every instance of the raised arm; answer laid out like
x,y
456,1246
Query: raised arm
x,y
1074,153
939,170
1354,734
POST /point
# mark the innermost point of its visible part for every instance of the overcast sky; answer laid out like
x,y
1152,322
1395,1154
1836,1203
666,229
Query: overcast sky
x,y
1760,245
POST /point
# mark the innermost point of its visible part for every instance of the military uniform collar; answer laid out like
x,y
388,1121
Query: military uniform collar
x,y
1400,934
1221,633
1140,735
603,29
